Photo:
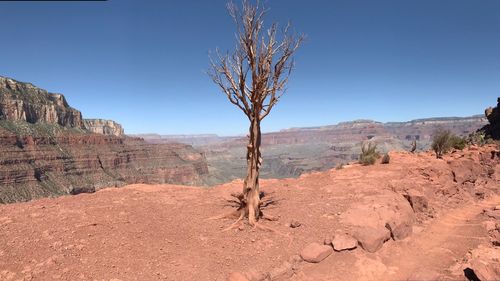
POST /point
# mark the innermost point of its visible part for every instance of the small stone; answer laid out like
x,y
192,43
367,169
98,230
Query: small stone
x,y
327,241
343,242
295,224
241,228
315,252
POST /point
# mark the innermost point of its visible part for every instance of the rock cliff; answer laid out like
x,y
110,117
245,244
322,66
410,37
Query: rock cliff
x,y
104,127
47,149
25,102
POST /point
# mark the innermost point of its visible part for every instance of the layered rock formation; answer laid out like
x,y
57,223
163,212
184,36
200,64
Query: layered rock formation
x,y
47,149
104,127
291,152
34,167
25,102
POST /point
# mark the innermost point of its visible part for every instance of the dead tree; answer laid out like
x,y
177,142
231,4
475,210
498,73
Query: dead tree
x,y
253,78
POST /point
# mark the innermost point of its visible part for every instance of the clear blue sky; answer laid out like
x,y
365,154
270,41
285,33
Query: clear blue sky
x,y
142,63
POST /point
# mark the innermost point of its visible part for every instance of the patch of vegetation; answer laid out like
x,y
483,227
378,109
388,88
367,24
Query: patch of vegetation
x,y
23,128
477,138
386,159
369,154
457,142
340,166
443,141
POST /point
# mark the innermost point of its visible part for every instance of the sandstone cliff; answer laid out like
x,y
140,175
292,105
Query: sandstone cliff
x,y
47,149
104,127
25,102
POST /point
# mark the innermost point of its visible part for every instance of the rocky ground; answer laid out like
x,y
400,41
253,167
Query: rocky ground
x,y
416,218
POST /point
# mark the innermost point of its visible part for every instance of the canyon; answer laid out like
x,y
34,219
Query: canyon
x,y
47,149
291,152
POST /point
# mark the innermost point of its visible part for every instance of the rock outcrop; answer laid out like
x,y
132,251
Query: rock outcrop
x,y
493,115
24,102
104,127
47,149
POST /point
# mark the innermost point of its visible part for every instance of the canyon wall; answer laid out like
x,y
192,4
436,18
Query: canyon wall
x,y
24,102
47,149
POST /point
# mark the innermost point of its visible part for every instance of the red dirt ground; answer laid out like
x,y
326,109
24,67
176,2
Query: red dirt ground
x,y
161,232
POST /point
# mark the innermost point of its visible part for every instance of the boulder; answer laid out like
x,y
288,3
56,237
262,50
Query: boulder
x,y
343,242
371,239
316,252
417,200
377,218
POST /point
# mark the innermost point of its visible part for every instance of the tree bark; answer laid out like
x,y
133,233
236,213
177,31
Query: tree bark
x,y
251,193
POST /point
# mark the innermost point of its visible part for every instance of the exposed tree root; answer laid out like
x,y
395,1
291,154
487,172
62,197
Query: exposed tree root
x,y
235,224
237,201
229,215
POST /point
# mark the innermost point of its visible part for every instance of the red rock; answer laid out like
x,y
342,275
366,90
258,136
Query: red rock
x,y
377,218
371,239
344,242
315,252
418,201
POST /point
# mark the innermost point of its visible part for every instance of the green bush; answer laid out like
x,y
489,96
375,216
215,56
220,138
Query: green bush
x,y
369,154
443,141
457,142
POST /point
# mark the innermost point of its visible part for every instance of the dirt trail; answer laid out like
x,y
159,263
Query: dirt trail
x,y
440,245
430,253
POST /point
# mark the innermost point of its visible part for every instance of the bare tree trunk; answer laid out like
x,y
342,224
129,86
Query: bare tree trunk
x,y
251,183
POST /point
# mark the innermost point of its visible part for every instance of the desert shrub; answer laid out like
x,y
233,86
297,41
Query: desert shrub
x,y
386,159
443,141
340,166
457,142
477,138
369,154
